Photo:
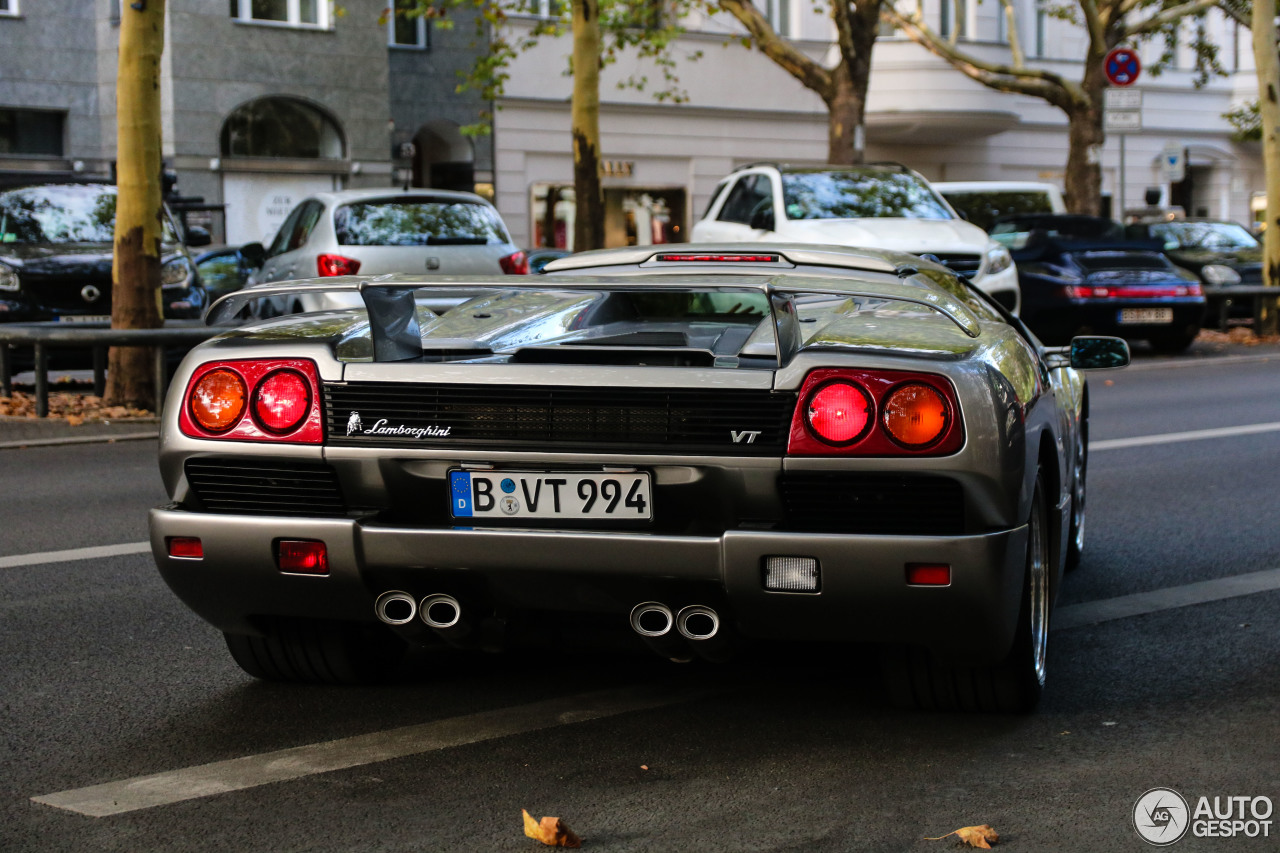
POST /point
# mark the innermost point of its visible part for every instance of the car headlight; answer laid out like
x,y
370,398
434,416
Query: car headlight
x,y
1219,274
998,259
175,272
8,277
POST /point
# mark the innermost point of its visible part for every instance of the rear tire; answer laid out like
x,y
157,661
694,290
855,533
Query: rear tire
x,y
914,679
318,652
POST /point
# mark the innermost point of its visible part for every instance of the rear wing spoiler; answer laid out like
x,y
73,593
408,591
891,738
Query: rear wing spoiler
x,y
393,318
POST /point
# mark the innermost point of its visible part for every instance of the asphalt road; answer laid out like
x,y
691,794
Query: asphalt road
x,y
107,679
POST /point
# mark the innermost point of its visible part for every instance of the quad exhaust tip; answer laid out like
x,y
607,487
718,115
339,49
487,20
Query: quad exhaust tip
x,y
652,619
697,622
396,607
440,611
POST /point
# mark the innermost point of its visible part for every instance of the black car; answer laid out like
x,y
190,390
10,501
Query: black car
x,y
1219,252
1083,275
56,244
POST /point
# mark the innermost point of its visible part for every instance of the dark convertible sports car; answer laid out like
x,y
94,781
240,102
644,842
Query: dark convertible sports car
x,y
1082,275
709,448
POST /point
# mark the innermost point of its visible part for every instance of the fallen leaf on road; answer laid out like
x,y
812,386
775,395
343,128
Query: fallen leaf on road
x,y
981,837
551,831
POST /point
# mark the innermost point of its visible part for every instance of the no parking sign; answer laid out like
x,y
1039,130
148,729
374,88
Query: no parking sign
x,y
1122,66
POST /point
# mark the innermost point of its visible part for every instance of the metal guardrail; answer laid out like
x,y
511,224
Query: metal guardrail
x,y
96,336
1221,299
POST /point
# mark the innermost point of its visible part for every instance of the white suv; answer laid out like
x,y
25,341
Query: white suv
x,y
874,206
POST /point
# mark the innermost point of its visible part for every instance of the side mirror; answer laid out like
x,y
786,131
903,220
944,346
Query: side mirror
x,y
254,255
198,236
762,219
1095,353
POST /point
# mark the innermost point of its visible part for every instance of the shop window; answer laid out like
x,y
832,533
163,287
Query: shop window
x,y
293,13
36,132
280,127
634,216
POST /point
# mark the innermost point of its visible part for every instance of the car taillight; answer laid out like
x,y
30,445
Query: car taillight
x,y
281,400
875,413
217,400
273,399
328,265
839,412
515,264
915,415
1084,291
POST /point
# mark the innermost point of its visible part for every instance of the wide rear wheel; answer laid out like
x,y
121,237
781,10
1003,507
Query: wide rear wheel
x,y
1080,466
318,652
914,679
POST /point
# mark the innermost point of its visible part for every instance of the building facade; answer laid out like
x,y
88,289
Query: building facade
x,y
265,100
262,102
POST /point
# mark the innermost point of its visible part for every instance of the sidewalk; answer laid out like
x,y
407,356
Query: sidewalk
x,y
18,432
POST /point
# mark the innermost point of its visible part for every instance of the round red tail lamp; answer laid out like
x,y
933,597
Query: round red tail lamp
x,y
217,401
282,401
915,415
839,412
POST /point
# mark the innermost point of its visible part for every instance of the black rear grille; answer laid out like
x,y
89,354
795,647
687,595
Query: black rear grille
x,y
873,503
963,265
743,422
266,487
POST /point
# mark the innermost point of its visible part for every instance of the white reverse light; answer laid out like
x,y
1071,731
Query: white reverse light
x,y
791,574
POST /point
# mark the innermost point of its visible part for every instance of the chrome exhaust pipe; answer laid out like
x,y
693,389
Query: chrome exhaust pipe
x,y
654,622
443,614
700,625
395,608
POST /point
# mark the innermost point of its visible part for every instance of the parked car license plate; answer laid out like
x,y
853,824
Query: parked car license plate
x,y
1146,315
556,494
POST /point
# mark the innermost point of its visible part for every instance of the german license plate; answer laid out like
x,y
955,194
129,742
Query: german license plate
x,y
85,318
1130,316
559,494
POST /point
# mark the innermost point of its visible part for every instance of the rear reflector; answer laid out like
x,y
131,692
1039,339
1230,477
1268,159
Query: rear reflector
x,y
791,574
302,557
186,547
928,574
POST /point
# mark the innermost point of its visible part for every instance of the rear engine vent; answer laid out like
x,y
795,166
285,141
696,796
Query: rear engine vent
x,y
266,487
744,422
873,503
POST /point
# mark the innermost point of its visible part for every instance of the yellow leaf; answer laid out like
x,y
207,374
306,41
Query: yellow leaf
x,y
974,836
551,831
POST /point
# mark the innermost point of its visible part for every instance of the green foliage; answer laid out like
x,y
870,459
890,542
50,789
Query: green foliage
x,y
647,28
1247,121
1206,63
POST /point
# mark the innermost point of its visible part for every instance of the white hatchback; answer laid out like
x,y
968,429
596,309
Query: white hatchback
x,y
380,231
875,206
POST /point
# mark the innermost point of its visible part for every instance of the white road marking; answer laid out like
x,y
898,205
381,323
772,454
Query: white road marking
x,y
95,553
1170,598
251,771
1174,437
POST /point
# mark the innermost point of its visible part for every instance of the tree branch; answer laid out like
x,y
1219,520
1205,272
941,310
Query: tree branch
x,y
1167,16
812,75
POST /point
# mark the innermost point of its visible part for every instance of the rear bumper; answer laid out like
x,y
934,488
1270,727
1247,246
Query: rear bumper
x,y
863,596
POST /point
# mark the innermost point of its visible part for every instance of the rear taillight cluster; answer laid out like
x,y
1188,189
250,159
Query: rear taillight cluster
x,y
875,413
254,400
1082,291
515,264
329,265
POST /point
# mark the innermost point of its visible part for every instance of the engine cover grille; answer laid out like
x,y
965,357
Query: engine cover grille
x,y
266,487
873,503
732,422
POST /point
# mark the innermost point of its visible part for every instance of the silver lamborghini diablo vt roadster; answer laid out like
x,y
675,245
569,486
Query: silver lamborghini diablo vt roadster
x,y
705,447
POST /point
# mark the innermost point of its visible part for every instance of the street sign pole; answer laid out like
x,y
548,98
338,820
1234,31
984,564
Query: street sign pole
x,y
1122,107
1120,218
